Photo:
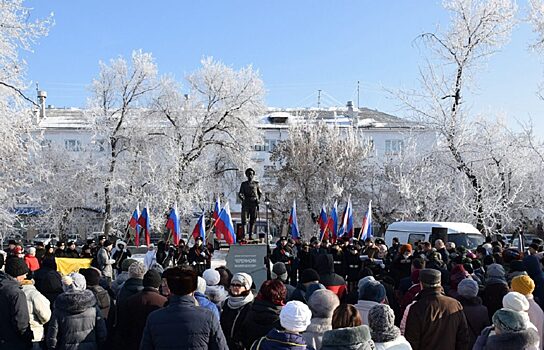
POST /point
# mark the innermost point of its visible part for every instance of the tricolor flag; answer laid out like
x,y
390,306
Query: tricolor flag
x,y
293,223
332,224
143,221
366,227
224,225
133,222
173,223
347,220
199,229
322,221
215,216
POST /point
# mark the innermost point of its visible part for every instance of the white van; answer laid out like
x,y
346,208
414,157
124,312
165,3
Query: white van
x,y
462,234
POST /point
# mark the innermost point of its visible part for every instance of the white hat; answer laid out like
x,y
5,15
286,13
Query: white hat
x,y
515,301
212,277
295,316
201,285
244,279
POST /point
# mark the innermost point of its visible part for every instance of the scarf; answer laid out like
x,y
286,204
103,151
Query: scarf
x,y
239,301
385,335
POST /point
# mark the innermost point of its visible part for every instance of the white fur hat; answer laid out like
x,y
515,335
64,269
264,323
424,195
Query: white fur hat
x,y
295,316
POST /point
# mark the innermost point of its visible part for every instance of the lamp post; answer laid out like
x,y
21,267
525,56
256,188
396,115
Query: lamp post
x,y
266,239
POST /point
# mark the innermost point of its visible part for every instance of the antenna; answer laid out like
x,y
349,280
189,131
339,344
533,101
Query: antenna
x,y
318,98
358,94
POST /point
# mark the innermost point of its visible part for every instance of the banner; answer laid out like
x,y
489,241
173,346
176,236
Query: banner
x,y
68,265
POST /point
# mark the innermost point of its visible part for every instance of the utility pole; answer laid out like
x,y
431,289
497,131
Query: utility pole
x,y
318,98
358,94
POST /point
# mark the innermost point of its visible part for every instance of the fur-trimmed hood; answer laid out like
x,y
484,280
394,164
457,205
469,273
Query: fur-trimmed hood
x,y
513,340
348,338
75,302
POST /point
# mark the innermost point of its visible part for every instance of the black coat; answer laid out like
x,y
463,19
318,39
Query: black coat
x,y
15,330
231,323
476,315
261,318
48,281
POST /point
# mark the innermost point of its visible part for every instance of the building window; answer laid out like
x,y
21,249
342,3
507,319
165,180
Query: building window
x,y
268,171
266,146
394,147
272,144
72,145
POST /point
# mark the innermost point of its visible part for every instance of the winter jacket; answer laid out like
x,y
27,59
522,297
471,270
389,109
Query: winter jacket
x,y
352,338
477,317
325,267
492,296
299,293
182,325
15,331
433,318
32,262
39,309
76,322
398,344
217,295
48,281
536,316
204,301
102,299
314,333
118,282
364,306
261,318
139,306
105,262
532,266
131,287
280,340
523,340
231,323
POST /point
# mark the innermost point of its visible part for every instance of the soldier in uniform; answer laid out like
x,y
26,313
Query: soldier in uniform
x,y
338,259
198,256
353,266
250,195
282,253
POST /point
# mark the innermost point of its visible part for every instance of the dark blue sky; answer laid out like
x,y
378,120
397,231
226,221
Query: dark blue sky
x,y
298,47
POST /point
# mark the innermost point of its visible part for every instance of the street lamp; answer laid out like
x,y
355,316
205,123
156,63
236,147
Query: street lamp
x,y
267,204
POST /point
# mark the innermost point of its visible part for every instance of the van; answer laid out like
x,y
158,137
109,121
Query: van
x,y
462,234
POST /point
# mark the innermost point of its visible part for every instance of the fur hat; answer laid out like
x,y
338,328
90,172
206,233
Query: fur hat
x,y
508,321
322,303
523,284
309,275
430,277
468,288
515,301
92,276
75,282
495,271
137,270
295,316
212,277
201,285
152,279
243,278
279,271
372,291
16,267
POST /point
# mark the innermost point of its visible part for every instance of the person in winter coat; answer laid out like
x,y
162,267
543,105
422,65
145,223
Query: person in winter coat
x,y
120,253
523,284
279,272
235,310
532,266
475,313
434,317
203,300
518,302
182,324
347,332
105,262
214,291
509,332
150,257
39,311
322,303
495,288
294,319
325,267
122,277
371,294
92,278
264,314
47,280
15,328
457,274
306,279
140,305
198,256
32,261
76,322
71,250
402,263
384,333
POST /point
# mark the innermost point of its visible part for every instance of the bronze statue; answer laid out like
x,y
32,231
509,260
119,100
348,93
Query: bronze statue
x,y
249,194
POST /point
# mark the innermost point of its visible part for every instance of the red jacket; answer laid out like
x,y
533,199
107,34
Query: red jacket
x,y
32,262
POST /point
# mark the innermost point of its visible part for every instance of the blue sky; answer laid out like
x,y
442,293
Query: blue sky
x,y
298,46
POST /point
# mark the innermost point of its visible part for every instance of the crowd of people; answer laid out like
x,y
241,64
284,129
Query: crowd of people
x,y
320,295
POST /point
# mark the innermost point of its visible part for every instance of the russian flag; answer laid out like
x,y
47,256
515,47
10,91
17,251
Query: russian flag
x,y
143,221
333,221
199,229
215,216
293,223
366,227
322,221
173,223
224,225
133,222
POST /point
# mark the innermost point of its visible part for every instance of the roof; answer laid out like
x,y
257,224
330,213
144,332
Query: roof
x,y
426,226
64,118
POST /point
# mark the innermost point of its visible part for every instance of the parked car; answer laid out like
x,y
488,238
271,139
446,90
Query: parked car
x,y
75,238
46,238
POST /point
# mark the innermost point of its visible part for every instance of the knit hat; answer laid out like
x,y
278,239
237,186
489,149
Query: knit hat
x,y
515,301
430,277
92,276
295,316
381,320
405,248
16,267
322,303
508,321
201,285
243,278
312,288
152,279
523,284
309,275
495,271
212,277
468,288
74,282
126,264
137,270
279,270
364,280
372,291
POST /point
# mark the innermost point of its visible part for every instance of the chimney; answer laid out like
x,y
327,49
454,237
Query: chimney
x,y
352,114
42,96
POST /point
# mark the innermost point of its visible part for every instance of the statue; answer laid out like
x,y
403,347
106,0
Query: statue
x,y
249,194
